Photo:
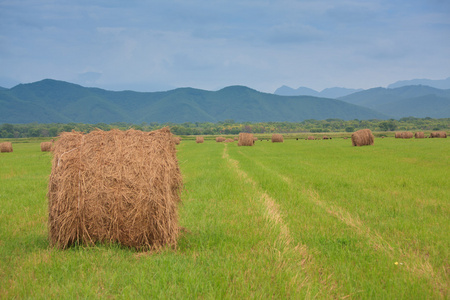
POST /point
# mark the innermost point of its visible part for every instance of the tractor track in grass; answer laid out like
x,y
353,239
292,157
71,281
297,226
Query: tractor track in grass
x,y
285,244
412,260
416,264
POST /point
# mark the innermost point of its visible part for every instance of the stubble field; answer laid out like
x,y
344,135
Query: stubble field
x,y
299,219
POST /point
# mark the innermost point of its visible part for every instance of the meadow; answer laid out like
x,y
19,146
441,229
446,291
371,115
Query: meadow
x,y
299,220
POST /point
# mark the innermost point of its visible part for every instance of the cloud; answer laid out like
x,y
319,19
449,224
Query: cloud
x,y
209,44
294,33
88,78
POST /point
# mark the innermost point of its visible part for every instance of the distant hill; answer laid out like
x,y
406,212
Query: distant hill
x,y
301,91
416,101
49,101
333,93
443,84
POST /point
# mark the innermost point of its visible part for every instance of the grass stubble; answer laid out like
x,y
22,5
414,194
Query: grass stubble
x,y
290,220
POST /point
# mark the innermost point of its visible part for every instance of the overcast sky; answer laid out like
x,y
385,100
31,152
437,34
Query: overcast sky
x,y
160,45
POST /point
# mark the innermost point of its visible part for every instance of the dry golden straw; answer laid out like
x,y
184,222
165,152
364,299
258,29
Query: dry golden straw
x,y
404,135
363,137
419,135
46,146
220,139
310,138
6,147
229,141
438,134
199,139
246,139
277,138
176,140
114,187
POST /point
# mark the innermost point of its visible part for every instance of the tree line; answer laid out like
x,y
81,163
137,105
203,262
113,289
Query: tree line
x,y
231,127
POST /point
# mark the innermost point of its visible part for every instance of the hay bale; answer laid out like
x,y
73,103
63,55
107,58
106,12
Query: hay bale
x,y
114,187
419,135
220,139
229,141
277,138
6,147
362,137
236,138
311,138
176,140
246,139
324,137
438,134
199,139
407,135
46,146
404,135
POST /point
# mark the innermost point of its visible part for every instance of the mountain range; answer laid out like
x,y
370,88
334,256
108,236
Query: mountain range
x,y
50,101
419,101
333,93
337,92
53,101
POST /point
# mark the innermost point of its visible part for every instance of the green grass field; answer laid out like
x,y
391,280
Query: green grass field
x,y
299,219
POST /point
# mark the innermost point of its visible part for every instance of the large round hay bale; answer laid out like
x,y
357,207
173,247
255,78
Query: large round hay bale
x,y
277,138
229,141
438,134
176,140
114,187
46,146
220,139
398,135
246,139
419,135
311,138
6,147
363,137
199,139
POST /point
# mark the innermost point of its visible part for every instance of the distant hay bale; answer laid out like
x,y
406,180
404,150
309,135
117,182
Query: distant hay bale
x,y
277,138
246,139
324,137
407,135
199,139
363,137
46,146
404,135
114,187
236,138
176,140
438,134
419,135
311,138
229,141
220,139
6,147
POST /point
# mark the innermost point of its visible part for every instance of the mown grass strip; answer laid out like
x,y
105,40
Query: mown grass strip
x,y
339,224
